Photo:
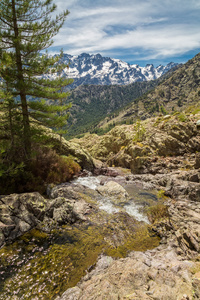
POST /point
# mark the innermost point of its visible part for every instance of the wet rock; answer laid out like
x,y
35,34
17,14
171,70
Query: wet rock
x,y
64,190
64,214
114,190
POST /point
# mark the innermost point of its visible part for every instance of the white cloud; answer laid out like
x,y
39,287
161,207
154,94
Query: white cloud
x,y
163,28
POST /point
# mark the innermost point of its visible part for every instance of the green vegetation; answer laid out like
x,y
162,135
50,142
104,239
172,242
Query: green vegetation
x,y
139,132
91,104
44,167
102,131
161,194
26,29
157,212
62,258
163,110
182,117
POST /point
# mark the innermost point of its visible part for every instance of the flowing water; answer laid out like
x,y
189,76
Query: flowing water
x,y
134,207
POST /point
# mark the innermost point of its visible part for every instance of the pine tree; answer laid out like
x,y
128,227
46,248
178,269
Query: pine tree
x,y
26,29
8,107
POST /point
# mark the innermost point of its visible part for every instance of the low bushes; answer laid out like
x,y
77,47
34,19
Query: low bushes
x,y
45,167
157,212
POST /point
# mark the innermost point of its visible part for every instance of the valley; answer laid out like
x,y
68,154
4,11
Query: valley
x,y
98,109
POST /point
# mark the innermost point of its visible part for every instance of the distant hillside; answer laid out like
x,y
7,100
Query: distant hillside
x,y
178,91
99,70
92,103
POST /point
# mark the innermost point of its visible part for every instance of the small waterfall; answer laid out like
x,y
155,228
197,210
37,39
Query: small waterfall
x,y
134,210
91,181
107,205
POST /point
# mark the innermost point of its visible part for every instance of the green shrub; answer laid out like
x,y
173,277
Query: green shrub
x,y
45,167
182,117
139,132
196,111
52,168
161,194
163,110
157,212
63,170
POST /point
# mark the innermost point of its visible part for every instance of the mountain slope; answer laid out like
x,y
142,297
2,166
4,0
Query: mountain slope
x,y
98,70
92,103
174,93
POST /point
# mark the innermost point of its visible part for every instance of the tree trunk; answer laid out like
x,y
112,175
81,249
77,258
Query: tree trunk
x,y
21,87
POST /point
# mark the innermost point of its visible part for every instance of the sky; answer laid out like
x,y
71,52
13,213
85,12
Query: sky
x,y
134,31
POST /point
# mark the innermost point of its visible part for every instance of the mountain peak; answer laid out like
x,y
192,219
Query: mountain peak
x,y
96,69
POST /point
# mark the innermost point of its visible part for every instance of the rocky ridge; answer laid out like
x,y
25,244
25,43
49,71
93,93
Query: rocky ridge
x,y
95,69
149,146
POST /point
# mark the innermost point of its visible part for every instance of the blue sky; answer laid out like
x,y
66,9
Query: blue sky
x,y
135,31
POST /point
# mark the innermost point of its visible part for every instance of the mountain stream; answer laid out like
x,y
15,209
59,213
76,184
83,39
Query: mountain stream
x,y
42,265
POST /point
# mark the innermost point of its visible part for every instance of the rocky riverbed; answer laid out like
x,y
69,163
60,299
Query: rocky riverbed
x,y
49,244
169,271
88,236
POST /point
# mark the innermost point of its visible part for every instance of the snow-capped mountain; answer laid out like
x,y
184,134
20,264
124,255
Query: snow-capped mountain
x,y
95,69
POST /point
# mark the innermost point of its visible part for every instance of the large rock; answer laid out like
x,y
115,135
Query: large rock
x,y
165,144
155,274
69,196
113,190
64,147
21,212
83,158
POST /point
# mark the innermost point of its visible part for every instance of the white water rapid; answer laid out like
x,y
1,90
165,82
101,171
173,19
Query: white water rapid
x,y
106,203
